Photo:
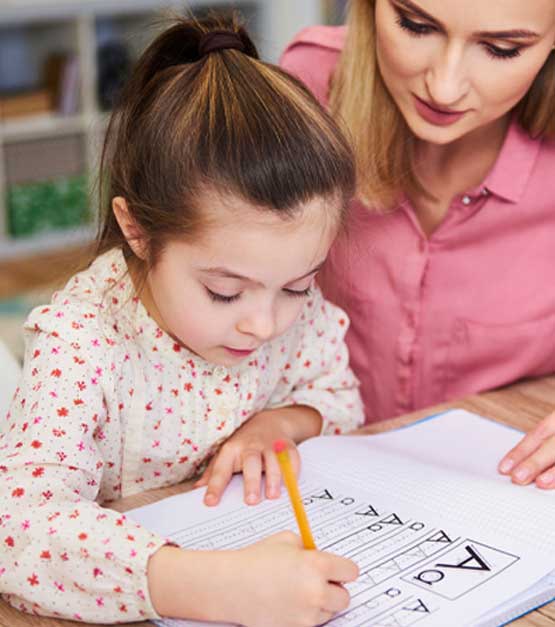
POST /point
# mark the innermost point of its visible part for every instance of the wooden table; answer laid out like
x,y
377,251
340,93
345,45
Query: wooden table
x,y
521,405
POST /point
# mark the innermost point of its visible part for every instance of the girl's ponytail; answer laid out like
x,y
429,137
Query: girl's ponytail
x,y
201,113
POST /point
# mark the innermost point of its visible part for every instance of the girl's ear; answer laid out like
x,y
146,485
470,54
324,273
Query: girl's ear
x,y
130,229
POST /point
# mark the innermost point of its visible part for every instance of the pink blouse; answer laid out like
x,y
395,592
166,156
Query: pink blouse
x,y
469,308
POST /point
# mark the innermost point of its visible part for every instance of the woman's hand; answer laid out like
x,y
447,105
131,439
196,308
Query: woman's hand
x,y
249,450
533,458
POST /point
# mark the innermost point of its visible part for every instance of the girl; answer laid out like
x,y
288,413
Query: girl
x,y
452,107
197,323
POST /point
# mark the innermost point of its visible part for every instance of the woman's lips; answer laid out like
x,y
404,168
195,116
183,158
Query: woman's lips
x,y
439,117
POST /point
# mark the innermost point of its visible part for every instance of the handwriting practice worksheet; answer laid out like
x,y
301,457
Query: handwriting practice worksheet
x,y
391,506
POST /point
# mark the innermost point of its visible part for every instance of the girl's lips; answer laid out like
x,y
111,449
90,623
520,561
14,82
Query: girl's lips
x,y
439,117
239,352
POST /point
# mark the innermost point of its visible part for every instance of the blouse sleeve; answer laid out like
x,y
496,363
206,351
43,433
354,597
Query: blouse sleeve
x,y
61,553
317,373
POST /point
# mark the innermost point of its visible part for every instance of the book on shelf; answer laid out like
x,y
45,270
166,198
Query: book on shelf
x,y
33,102
61,76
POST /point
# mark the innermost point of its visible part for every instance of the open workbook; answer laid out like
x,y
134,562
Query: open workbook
x,y
440,537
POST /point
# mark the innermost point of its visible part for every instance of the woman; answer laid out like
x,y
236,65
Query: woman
x,y
447,271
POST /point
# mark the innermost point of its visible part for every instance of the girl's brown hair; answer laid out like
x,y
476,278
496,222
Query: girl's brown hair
x,y
223,122
384,145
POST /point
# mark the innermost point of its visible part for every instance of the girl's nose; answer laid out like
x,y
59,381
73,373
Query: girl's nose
x,y
261,324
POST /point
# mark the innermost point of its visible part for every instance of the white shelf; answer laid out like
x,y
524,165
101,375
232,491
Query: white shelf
x,y
53,24
46,125
45,242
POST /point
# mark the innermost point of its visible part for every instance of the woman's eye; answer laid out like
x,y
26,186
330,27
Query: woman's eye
x,y
502,53
297,293
414,28
221,298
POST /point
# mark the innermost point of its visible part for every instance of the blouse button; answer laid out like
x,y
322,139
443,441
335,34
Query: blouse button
x,y
219,371
466,200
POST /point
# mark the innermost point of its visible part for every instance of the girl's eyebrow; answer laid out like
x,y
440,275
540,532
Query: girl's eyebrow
x,y
517,33
226,273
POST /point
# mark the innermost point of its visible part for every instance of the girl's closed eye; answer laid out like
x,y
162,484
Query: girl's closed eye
x,y
414,28
298,293
221,298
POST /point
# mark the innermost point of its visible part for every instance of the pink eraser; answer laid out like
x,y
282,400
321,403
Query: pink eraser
x,y
279,446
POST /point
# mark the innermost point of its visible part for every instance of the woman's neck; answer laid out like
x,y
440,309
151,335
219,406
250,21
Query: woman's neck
x,y
463,164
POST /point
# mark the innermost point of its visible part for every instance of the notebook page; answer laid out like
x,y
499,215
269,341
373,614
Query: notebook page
x,y
447,465
417,565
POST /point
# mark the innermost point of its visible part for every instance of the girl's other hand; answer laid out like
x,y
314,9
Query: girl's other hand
x,y
533,458
249,450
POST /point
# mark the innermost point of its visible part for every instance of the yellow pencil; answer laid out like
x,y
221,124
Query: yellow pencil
x,y
280,449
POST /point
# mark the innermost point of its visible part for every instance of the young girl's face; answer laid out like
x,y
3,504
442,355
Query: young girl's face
x,y
243,281
454,66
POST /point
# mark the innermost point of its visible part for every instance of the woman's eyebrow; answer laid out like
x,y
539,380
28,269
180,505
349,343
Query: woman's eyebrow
x,y
517,33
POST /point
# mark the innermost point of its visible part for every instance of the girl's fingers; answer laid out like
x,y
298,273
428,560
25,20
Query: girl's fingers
x,y
528,445
542,459
252,475
220,476
295,458
273,474
337,599
204,478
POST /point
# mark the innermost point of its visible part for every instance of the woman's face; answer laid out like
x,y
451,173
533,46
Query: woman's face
x,y
453,66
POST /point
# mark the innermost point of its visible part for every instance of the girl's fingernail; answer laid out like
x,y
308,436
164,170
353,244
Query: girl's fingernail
x,y
522,474
506,465
252,498
210,499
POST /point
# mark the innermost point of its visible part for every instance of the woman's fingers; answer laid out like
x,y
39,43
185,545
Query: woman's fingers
x,y
541,460
532,455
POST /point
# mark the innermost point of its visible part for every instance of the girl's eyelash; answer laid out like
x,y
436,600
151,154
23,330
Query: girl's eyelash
x,y
220,298
298,293
502,53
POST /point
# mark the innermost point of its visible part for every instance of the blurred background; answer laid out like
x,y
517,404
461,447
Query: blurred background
x,y
62,64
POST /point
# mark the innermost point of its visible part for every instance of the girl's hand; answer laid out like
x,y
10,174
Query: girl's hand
x,y
273,583
249,450
533,458
283,585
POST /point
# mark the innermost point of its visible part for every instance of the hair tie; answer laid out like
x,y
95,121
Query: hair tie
x,y
219,40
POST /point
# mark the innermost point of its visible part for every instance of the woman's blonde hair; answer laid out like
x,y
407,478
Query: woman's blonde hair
x,y
384,144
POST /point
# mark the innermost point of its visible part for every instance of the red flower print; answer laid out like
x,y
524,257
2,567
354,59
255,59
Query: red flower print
x,y
18,492
56,373
36,443
62,412
33,580
38,472
217,391
188,387
9,541
47,495
82,536
176,347
78,401
45,555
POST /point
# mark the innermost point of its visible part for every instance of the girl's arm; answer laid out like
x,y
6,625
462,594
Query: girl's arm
x,y
273,583
62,553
